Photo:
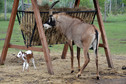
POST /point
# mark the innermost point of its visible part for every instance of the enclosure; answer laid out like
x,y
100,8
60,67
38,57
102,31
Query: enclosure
x,y
11,72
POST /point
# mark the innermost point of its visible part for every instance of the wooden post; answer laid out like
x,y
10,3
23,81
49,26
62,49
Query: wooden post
x,y
42,36
77,3
65,49
103,34
9,32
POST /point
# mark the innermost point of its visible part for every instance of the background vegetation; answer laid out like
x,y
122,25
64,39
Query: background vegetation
x,y
107,7
114,16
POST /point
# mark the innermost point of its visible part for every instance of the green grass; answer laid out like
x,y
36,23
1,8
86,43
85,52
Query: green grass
x,y
16,35
115,30
116,37
116,18
2,16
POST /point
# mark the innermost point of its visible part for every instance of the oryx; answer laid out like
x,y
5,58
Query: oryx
x,y
84,35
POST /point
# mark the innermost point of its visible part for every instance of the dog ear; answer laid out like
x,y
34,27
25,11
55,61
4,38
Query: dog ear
x,y
21,51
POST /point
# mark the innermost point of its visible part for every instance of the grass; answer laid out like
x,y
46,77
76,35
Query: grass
x,y
2,16
116,37
16,35
116,18
115,30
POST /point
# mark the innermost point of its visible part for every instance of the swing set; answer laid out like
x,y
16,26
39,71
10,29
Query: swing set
x,y
41,34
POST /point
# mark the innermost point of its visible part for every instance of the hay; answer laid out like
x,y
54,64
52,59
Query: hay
x,y
54,36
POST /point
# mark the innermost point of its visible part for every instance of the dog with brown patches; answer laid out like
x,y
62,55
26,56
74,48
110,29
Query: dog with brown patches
x,y
26,57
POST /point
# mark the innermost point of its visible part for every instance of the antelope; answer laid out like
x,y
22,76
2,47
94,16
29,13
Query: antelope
x,y
85,36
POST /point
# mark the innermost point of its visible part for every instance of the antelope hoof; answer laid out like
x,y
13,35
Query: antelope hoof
x,y
72,71
78,75
98,77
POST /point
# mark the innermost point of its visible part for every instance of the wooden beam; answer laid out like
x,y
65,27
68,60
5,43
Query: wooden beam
x,y
103,34
42,36
65,49
102,45
25,48
9,31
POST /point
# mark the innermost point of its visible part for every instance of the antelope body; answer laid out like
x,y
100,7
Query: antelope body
x,y
84,35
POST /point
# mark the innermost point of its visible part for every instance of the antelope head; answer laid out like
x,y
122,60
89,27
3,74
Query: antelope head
x,y
51,21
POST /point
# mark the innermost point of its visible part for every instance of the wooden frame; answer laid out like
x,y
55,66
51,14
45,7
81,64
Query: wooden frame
x,y
42,36
103,35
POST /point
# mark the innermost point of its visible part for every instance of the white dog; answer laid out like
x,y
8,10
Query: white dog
x,y
26,56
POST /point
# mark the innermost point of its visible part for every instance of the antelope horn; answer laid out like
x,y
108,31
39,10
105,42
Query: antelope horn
x,y
50,10
54,4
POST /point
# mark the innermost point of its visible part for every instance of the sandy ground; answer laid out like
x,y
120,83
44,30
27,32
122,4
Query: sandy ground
x,y
11,72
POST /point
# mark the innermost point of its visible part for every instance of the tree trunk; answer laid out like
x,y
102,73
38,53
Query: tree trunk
x,y
115,5
122,7
110,6
5,9
22,2
105,11
28,1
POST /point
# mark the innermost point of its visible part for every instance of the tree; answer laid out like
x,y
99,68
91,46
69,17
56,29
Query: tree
x,y
124,1
86,3
22,6
105,11
101,3
110,6
5,9
1,5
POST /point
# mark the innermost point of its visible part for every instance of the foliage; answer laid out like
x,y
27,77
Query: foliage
x,y
9,5
65,3
86,3
1,5
124,1
101,3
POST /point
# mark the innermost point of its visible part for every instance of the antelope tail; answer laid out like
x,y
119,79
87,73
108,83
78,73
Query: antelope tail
x,y
96,35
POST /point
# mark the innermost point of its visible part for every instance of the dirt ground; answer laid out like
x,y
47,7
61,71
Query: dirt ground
x,y
11,72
